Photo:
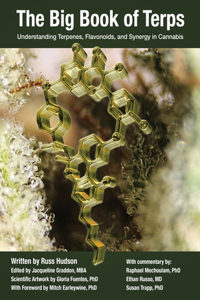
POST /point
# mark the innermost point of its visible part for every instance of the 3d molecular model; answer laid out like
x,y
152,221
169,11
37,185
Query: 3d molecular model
x,y
71,71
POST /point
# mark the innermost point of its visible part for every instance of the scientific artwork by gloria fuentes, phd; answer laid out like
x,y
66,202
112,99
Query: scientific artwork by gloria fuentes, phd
x,y
99,150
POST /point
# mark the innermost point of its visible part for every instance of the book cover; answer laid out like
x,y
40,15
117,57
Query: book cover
x,y
99,126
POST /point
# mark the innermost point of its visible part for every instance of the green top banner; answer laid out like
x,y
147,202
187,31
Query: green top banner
x,y
108,24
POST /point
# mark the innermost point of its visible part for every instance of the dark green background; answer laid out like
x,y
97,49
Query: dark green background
x,y
10,28
112,275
